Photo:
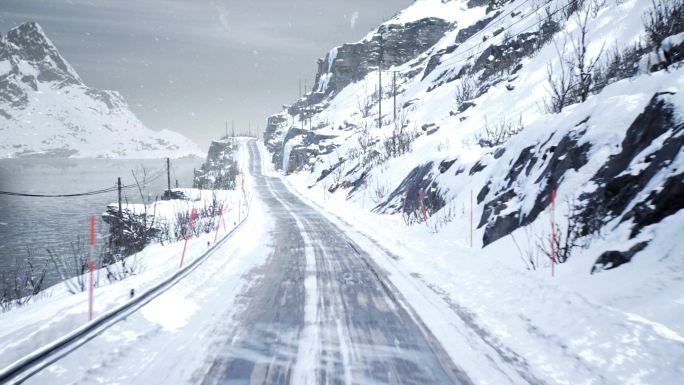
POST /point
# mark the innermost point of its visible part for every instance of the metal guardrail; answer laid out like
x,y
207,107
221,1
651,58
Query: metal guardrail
x,y
29,365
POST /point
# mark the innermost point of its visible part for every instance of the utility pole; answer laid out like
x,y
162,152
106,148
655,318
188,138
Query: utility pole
x,y
232,125
120,240
394,91
168,175
226,129
380,82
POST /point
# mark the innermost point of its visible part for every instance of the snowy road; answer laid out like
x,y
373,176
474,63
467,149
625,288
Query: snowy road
x,y
290,300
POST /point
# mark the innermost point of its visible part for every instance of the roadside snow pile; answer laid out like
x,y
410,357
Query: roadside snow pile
x,y
516,103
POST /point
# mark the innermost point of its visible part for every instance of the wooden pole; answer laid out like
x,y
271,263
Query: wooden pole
x,y
394,92
168,175
380,84
120,240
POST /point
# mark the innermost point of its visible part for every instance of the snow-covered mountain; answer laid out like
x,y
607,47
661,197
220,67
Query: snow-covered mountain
x,y
516,102
509,99
47,110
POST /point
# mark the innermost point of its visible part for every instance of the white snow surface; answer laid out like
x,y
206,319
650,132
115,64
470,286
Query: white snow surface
x,y
619,326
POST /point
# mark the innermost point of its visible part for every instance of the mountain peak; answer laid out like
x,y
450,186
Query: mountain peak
x,y
46,110
28,42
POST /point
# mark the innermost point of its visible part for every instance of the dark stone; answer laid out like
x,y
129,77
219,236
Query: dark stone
x,y
483,193
465,105
477,167
659,204
405,196
436,58
612,259
618,187
445,165
466,33
567,155
501,58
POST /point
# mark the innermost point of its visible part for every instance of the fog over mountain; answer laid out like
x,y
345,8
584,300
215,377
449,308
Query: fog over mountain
x,y
190,66
47,110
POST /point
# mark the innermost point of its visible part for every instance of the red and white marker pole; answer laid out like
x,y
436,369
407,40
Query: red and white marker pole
x,y
553,232
187,235
218,223
91,268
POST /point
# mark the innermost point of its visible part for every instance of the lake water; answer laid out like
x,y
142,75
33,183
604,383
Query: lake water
x,y
53,223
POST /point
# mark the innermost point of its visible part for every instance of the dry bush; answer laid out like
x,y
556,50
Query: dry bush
x,y
493,135
19,286
664,18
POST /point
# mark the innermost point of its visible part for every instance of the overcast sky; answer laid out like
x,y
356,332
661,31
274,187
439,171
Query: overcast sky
x,y
191,65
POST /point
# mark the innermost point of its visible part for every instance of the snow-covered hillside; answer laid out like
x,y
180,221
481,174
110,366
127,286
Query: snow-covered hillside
x,y
516,101
47,110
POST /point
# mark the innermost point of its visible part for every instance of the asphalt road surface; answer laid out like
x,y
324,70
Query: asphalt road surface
x,y
322,314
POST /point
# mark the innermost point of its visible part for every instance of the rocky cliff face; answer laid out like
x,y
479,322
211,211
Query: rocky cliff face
x,y
47,110
395,43
220,171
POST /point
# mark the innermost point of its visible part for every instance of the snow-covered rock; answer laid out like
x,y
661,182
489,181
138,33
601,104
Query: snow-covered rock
x,y
489,71
47,110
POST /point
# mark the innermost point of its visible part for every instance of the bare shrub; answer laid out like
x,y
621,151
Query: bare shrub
x,y
379,193
72,269
582,66
565,239
401,140
616,65
548,26
559,83
19,286
365,141
444,216
124,267
664,18
529,253
465,90
366,101
572,80
493,135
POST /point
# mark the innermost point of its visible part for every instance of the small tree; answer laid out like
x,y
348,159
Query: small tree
x,y
582,66
465,90
559,82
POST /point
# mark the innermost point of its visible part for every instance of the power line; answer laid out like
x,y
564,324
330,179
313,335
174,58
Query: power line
x,y
95,192
154,176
